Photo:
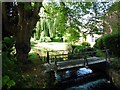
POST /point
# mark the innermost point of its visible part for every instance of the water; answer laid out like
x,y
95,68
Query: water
x,y
94,85
72,73
82,79
83,71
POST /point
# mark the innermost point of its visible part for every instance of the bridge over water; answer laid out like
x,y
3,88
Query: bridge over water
x,y
81,71
72,60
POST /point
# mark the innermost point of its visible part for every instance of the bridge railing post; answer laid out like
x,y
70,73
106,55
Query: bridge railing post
x,y
48,57
107,54
85,60
55,61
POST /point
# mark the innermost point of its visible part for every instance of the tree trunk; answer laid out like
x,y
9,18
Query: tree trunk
x,y
20,23
23,42
26,23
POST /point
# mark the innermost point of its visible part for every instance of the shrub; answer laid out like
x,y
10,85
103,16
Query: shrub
x,y
85,44
33,57
111,42
116,63
78,49
7,82
100,53
99,43
57,39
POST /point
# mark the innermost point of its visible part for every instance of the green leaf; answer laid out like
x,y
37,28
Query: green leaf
x,y
5,79
10,83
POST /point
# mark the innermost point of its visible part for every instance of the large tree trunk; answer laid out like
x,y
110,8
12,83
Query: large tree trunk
x,y
21,26
27,22
23,42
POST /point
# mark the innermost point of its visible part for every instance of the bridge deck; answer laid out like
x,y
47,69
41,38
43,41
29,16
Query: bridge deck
x,y
72,63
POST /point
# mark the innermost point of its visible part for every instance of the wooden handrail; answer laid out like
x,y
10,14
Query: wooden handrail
x,y
82,55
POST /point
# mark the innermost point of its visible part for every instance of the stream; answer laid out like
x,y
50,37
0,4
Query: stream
x,y
83,79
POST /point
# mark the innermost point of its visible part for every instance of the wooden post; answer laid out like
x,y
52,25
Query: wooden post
x,y
48,57
55,61
106,54
85,60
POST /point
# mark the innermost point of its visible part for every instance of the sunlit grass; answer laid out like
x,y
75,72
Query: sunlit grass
x,y
53,46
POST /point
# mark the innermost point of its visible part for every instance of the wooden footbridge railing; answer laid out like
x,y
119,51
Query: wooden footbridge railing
x,y
85,58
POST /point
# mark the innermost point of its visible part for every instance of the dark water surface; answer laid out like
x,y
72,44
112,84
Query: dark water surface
x,y
83,79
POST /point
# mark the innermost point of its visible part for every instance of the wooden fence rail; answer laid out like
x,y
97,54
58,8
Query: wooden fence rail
x,y
72,56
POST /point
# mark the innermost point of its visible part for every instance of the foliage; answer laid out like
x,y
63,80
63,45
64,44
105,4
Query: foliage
x,y
57,39
8,43
100,53
45,39
23,76
71,35
79,49
60,21
33,57
112,17
86,44
99,43
84,47
17,75
37,31
9,74
116,63
52,22
114,7
19,19
78,11
8,58
111,42
6,81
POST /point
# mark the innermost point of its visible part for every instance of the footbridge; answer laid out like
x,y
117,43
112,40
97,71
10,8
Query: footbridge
x,y
66,60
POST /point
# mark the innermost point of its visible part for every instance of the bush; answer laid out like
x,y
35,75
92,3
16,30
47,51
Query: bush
x,y
57,39
81,49
116,63
99,43
78,49
100,53
7,82
86,44
33,57
111,42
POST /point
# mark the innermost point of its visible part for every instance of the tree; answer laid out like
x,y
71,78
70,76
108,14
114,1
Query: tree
x,y
19,19
112,19
87,15
56,17
53,18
